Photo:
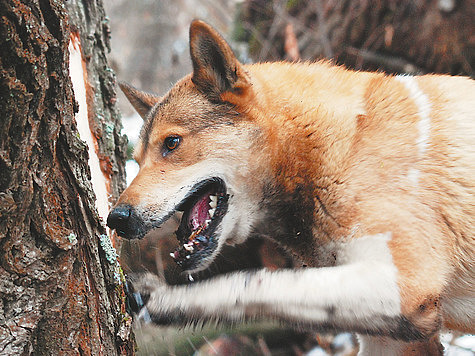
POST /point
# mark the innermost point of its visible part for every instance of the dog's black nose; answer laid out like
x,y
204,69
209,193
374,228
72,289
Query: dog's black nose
x,y
119,219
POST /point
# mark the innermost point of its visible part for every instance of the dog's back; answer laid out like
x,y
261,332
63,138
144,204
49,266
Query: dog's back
x,y
403,151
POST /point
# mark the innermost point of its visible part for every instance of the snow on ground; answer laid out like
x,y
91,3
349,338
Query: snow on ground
x,y
458,345
131,127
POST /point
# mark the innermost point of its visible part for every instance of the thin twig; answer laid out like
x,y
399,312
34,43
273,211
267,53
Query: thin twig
x,y
393,63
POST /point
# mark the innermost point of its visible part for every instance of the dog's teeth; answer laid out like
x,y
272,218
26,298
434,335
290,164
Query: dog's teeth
x,y
187,257
188,247
175,255
213,203
211,212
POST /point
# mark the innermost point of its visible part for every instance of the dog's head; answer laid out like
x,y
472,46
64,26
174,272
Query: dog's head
x,y
196,156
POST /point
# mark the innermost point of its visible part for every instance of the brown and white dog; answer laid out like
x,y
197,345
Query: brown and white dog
x,y
368,179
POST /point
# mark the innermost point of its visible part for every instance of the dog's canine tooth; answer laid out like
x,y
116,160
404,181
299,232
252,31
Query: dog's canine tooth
x,y
189,247
213,203
211,213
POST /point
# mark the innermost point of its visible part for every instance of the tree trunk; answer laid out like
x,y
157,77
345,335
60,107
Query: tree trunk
x,y
61,288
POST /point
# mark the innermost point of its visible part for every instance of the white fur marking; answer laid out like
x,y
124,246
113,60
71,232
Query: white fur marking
x,y
424,106
413,175
98,180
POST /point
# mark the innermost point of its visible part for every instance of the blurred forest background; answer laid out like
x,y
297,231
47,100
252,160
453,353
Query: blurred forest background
x,y
150,51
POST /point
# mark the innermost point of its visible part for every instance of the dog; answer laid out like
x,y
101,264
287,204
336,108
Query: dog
x,y
367,178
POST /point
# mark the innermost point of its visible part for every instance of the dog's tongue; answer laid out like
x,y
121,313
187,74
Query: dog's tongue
x,y
199,212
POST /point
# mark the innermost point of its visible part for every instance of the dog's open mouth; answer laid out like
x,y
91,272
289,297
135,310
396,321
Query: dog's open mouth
x,y
203,209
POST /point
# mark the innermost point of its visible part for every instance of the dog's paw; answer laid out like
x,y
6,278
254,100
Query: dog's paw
x,y
146,300
138,288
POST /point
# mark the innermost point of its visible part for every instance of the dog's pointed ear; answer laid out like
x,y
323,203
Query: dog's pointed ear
x,y
216,69
142,101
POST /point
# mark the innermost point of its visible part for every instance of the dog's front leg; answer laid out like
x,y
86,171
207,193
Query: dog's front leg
x,y
358,297
361,295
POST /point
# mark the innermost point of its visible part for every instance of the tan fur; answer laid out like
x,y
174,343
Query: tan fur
x,y
354,135
435,241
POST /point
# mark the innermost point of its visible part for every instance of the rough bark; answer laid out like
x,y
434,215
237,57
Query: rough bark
x,y
396,36
59,291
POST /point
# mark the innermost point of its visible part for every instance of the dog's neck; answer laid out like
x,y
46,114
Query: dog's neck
x,y
308,211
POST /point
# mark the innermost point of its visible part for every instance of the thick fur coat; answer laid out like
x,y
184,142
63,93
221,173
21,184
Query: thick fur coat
x,y
368,179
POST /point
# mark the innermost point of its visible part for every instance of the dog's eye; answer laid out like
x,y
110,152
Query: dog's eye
x,y
171,143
